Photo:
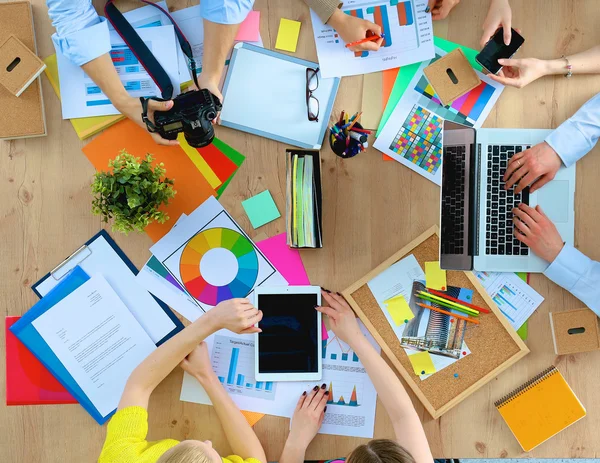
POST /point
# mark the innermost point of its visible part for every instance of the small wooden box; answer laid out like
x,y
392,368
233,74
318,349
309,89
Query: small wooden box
x,y
19,66
452,76
575,331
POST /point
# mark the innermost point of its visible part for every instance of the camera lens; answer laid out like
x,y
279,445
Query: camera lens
x,y
211,115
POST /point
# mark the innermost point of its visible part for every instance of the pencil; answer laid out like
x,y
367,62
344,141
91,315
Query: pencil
x,y
472,306
365,40
447,304
459,317
355,120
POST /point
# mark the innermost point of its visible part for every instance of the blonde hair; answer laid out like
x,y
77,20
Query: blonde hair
x,y
184,452
380,451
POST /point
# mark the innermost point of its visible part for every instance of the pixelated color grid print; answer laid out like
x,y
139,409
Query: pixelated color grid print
x,y
419,139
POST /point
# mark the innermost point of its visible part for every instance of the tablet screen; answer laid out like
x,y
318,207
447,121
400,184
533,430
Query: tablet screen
x,y
288,342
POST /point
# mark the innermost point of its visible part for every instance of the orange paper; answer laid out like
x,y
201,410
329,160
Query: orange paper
x,y
191,186
389,79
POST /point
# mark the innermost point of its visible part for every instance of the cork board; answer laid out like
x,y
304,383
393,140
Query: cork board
x,y
494,344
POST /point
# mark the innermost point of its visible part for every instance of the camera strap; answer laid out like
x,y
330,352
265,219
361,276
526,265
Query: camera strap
x,y
141,51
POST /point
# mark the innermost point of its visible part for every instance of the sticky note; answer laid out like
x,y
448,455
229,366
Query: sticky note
x,y
422,363
399,310
261,209
287,36
435,277
249,29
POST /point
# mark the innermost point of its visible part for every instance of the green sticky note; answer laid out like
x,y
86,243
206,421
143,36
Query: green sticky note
x,y
406,74
422,363
399,309
261,209
523,332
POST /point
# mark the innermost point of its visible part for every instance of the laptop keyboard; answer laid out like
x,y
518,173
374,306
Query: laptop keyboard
x,y
453,202
500,239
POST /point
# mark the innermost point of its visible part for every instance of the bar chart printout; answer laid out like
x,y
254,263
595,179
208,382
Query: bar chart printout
x,y
233,362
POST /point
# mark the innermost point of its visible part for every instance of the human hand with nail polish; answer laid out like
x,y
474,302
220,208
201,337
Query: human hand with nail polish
x,y
308,417
343,320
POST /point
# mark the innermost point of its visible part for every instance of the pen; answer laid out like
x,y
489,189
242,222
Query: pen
x,y
472,306
365,40
460,317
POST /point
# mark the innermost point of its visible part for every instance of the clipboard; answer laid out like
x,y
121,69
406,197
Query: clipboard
x,y
100,254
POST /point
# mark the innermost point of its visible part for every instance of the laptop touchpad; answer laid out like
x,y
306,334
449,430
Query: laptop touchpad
x,y
554,200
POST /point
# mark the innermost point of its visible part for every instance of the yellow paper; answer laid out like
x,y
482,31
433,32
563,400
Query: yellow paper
x,y
399,310
435,277
199,162
422,363
287,36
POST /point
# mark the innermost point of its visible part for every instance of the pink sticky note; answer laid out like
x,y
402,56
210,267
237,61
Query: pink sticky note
x,y
286,260
324,330
249,29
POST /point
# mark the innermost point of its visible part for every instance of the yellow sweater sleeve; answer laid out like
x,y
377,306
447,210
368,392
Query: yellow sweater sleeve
x,y
238,459
324,8
126,439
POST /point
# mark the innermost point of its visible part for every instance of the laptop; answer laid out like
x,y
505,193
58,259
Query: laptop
x,y
476,212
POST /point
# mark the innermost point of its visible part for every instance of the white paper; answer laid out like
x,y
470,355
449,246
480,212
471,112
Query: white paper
x,y
515,298
146,16
343,373
100,257
406,27
413,133
81,97
97,339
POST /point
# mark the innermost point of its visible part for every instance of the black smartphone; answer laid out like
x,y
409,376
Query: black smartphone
x,y
496,49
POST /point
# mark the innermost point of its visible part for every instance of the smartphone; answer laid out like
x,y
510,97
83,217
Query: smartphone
x,y
496,49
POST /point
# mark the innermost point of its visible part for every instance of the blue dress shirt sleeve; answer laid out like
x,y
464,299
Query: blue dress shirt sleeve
x,y
578,274
225,11
81,35
576,137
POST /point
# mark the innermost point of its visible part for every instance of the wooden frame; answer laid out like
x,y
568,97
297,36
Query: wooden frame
x,y
435,413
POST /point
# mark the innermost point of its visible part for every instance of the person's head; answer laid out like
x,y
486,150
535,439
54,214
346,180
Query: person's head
x,y
191,451
380,451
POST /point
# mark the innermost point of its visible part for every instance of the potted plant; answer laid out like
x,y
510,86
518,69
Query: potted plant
x,y
131,193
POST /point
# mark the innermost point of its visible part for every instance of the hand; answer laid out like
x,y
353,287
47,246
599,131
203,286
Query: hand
x,y
237,315
499,16
308,416
197,362
537,231
132,108
520,72
539,162
441,8
353,29
343,321
212,86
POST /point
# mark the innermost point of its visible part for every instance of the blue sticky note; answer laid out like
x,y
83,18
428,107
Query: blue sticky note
x,y
261,209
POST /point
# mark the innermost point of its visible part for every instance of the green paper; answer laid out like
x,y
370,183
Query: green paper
x,y
261,209
236,157
406,74
524,330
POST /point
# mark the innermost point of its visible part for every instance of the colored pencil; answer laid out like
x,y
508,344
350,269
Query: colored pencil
x,y
459,317
472,306
447,304
365,40
355,120
447,301
354,129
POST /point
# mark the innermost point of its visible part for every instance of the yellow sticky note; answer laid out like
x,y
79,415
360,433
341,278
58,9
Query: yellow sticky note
x,y
422,363
287,36
399,310
435,277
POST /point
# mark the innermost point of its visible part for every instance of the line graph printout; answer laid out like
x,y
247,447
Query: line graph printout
x,y
407,30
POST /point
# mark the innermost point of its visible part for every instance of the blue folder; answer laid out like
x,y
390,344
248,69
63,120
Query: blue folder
x,y
28,335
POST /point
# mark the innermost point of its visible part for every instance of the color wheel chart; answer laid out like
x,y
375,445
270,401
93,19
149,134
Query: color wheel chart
x,y
343,393
419,139
396,19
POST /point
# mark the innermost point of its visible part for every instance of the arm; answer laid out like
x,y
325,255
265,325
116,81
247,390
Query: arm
x,y
407,425
238,315
241,437
499,16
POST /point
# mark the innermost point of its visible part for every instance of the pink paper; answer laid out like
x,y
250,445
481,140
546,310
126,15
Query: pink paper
x,y
324,331
249,29
286,260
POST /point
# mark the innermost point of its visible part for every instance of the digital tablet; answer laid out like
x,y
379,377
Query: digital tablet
x,y
289,346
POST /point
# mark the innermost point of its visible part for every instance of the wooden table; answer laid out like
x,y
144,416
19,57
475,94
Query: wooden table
x,y
371,209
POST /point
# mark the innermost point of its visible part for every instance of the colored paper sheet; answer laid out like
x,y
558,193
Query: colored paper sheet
x,y
87,126
523,332
221,165
191,186
324,335
249,30
287,36
435,277
287,261
261,209
422,363
372,107
399,310
388,80
234,156
199,162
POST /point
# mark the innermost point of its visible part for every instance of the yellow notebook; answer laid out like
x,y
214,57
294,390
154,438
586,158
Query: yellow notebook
x,y
540,408
85,126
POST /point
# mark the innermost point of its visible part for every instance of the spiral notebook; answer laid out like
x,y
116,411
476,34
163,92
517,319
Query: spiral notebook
x,y
540,408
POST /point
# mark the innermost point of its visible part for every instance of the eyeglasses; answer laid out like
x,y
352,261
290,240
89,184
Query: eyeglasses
x,y
312,104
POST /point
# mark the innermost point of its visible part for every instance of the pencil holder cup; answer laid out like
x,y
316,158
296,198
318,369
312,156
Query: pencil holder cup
x,y
339,147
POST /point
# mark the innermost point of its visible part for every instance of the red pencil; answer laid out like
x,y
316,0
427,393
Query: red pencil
x,y
460,317
367,39
438,293
354,129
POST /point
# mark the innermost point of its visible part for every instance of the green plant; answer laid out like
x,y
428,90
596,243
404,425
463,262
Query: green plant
x,y
131,193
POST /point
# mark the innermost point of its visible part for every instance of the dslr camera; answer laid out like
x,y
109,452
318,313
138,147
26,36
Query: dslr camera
x,y
192,113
